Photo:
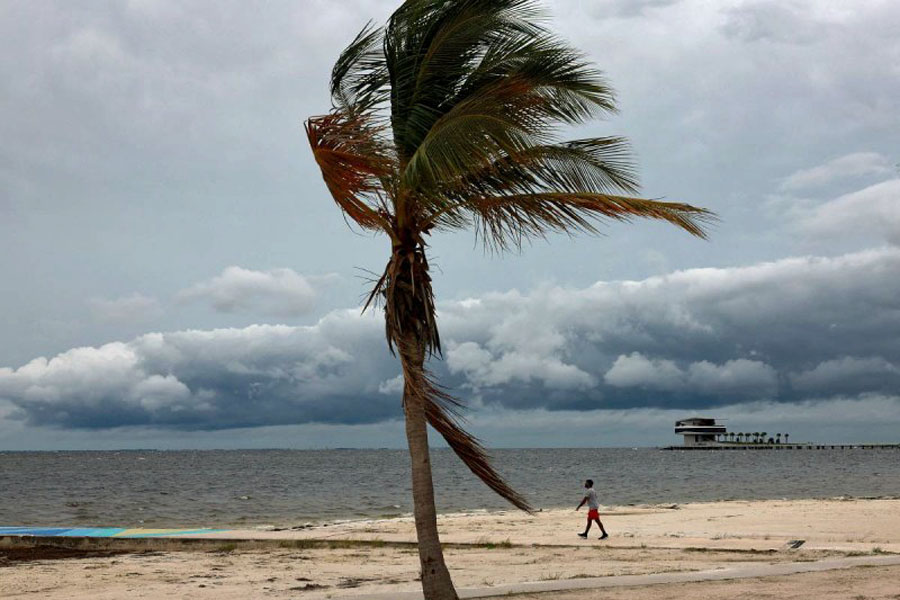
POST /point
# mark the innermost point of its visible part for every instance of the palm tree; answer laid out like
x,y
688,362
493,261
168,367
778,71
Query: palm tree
x,y
445,119
777,438
786,438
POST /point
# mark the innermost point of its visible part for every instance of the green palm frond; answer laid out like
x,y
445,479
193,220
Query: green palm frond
x,y
434,47
602,165
472,136
359,78
516,105
505,222
597,165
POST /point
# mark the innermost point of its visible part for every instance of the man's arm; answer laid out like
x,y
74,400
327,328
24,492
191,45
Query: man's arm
x,y
583,500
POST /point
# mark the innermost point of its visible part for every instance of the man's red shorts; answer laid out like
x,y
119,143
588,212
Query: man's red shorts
x,y
593,514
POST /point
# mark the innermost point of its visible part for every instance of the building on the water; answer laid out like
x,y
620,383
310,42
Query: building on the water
x,y
704,433
699,431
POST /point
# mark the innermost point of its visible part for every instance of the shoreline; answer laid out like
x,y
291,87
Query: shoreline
x,y
324,522
498,549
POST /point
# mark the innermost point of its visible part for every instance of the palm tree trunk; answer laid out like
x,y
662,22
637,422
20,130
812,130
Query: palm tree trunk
x,y
436,583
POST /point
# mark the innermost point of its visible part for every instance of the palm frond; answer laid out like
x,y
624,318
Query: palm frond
x,y
550,66
440,414
431,47
601,165
443,413
360,76
472,136
502,119
505,222
597,165
356,167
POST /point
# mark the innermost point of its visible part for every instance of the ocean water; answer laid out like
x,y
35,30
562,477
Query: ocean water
x,y
245,488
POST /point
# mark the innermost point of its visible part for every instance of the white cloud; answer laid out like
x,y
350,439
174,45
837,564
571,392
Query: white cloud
x,y
392,386
848,372
870,213
605,9
783,21
636,370
159,391
127,309
847,166
736,377
277,292
484,369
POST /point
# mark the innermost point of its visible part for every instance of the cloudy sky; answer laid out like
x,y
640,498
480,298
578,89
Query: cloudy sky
x,y
174,273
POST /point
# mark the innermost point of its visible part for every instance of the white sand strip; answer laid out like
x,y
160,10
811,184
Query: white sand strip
x,y
727,573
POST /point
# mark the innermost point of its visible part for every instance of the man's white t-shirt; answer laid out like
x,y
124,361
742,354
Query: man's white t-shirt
x,y
592,499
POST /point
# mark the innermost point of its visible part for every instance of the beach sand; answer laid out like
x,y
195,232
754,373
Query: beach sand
x,y
492,549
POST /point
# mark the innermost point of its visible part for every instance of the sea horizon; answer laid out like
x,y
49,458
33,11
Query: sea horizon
x,y
291,487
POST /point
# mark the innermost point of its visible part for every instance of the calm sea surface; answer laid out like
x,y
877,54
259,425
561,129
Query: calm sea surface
x,y
292,487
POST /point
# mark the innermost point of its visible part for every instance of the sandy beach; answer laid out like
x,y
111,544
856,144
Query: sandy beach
x,y
491,550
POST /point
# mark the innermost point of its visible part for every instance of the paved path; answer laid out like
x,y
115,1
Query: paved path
x,y
738,572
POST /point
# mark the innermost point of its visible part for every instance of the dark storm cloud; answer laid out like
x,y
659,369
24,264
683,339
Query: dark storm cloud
x,y
265,374
795,330
700,337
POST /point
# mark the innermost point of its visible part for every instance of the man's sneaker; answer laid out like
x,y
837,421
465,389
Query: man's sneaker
x,y
582,535
604,536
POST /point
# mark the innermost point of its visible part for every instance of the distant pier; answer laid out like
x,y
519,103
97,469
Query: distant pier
x,y
704,433
809,446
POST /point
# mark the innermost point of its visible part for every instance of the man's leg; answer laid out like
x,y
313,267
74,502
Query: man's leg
x,y
586,529
599,524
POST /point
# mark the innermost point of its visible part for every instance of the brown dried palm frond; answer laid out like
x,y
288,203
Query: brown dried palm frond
x,y
467,447
443,413
356,166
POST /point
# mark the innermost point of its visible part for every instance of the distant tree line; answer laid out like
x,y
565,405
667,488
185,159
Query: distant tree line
x,y
757,437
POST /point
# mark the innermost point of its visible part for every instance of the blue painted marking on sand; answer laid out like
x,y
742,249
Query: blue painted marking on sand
x,y
93,532
40,531
102,532
168,534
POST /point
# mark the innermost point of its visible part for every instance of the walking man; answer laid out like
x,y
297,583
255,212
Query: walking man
x,y
590,497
